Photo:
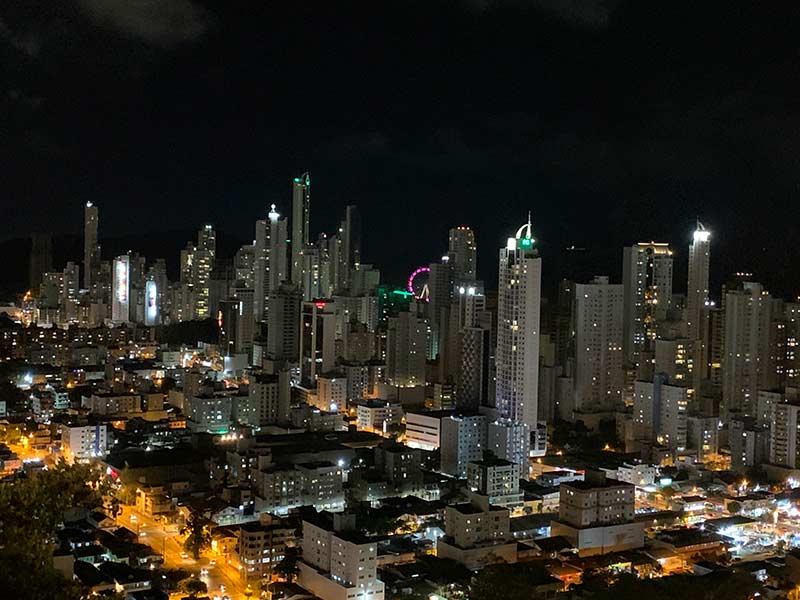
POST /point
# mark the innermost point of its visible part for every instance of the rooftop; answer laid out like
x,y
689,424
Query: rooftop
x,y
590,485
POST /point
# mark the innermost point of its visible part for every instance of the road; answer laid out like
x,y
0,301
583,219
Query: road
x,y
28,453
166,540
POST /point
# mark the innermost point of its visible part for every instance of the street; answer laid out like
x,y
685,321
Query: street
x,y
165,539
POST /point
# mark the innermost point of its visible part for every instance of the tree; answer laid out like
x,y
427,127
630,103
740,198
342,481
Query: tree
x,y
516,581
288,568
30,511
734,507
192,586
718,586
668,492
198,537
16,400
395,430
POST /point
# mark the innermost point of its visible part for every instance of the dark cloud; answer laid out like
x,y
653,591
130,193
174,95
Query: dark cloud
x,y
164,23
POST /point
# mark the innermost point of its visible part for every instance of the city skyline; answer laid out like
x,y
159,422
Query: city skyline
x,y
571,262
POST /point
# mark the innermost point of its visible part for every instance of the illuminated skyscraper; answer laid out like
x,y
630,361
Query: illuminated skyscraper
x,y
598,345
91,248
463,253
647,278
754,347
518,314
270,268
697,290
301,216
203,265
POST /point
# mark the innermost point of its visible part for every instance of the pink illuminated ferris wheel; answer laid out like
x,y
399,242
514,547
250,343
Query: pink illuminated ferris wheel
x,y
418,284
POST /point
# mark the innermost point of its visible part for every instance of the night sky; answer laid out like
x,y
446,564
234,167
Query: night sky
x,y
612,121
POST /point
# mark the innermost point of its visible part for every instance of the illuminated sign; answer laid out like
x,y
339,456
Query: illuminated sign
x,y
151,301
122,280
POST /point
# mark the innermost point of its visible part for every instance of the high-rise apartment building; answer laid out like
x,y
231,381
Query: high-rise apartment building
x,y
91,246
283,330
697,290
301,218
267,400
204,255
784,445
599,377
350,255
339,562
474,376
511,440
647,279
754,351
270,268
406,341
674,357
518,314
463,251
441,288
660,412
462,441
317,341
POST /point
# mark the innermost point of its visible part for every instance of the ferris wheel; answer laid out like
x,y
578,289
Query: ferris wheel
x,y
418,284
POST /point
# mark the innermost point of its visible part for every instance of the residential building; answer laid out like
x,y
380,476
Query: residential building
x,y
477,534
339,562
518,314
597,516
647,280
261,545
697,290
84,442
598,345
406,342
379,416
660,411
498,480
463,440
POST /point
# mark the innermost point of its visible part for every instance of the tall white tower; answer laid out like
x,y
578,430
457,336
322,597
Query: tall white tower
x,y
518,314
270,260
697,290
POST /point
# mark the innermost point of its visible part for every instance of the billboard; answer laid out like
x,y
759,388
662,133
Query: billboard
x,y
150,303
120,301
121,279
